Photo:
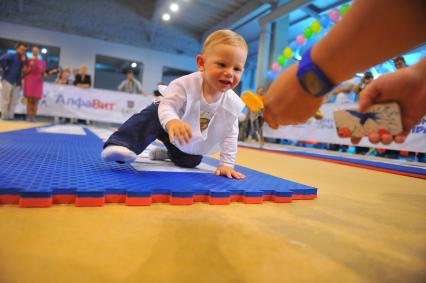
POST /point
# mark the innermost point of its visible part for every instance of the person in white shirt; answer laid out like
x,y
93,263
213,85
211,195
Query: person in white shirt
x,y
198,114
131,85
344,93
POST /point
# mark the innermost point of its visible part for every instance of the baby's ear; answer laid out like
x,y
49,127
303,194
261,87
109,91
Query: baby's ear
x,y
200,62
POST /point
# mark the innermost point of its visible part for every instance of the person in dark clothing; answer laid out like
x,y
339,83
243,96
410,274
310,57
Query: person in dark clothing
x,y
12,75
82,79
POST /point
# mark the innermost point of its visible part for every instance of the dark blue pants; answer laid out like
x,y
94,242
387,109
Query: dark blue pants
x,y
142,129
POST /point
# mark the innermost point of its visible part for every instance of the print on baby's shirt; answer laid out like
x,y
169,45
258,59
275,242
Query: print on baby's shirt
x,y
204,120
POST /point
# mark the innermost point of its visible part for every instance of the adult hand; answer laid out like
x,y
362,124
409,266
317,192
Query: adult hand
x,y
179,129
287,103
407,87
228,172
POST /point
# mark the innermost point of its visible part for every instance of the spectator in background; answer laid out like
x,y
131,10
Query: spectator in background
x,y
71,76
131,85
399,62
82,79
257,118
11,82
63,78
366,79
34,69
251,127
344,92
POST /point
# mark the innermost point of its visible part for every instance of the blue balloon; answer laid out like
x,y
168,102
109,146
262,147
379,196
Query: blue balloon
x,y
294,46
325,21
270,75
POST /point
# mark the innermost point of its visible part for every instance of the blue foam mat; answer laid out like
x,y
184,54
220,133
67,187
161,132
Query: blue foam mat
x,y
138,193
62,162
36,193
219,193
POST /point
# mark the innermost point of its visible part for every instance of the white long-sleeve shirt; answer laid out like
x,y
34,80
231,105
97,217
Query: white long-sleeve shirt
x,y
214,126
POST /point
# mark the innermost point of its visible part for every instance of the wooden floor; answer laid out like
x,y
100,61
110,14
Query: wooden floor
x,y
366,226
7,126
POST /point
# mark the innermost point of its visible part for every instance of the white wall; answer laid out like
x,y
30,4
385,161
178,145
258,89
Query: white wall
x,y
77,50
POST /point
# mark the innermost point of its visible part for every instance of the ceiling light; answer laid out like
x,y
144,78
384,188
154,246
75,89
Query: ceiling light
x,y
166,17
44,50
174,7
134,65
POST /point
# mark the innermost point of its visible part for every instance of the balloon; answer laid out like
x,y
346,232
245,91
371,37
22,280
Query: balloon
x,y
325,21
281,60
343,9
276,68
300,40
307,32
334,15
316,27
288,53
293,46
270,75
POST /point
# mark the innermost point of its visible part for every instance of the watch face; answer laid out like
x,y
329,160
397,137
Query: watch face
x,y
312,83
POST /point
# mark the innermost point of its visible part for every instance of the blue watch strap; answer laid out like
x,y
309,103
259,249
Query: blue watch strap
x,y
312,78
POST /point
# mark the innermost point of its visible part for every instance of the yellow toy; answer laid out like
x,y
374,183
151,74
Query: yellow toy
x,y
318,115
252,100
254,103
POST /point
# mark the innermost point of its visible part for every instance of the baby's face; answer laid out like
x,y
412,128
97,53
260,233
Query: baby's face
x,y
223,67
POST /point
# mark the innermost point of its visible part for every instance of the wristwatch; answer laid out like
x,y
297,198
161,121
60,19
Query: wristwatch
x,y
312,79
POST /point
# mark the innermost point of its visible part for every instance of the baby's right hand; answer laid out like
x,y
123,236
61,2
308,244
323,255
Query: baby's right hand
x,y
179,129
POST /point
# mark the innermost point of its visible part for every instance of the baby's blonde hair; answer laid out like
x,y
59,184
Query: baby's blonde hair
x,y
224,36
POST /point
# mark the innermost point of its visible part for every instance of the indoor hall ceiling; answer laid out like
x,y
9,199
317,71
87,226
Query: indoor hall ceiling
x,y
131,22
138,22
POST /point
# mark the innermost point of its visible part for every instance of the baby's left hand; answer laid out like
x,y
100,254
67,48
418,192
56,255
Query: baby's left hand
x,y
228,172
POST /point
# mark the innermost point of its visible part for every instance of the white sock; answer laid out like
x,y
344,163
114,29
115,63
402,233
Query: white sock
x,y
158,154
118,154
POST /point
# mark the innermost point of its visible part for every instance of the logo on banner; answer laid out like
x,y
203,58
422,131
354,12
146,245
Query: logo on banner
x,y
84,103
420,128
130,104
45,97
